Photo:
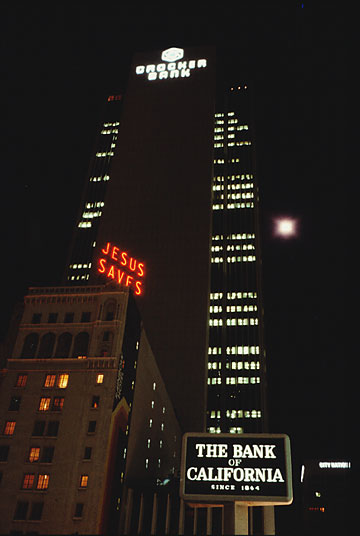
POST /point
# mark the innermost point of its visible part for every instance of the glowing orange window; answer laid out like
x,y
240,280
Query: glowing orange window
x,y
34,454
9,428
100,378
58,403
28,481
21,380
63,380
84,479
44,404
50,380
43,482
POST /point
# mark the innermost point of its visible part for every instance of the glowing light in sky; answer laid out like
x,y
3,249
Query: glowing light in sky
x,y
285,227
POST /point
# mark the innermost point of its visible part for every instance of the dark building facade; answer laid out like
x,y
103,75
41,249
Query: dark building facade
x,y
181,194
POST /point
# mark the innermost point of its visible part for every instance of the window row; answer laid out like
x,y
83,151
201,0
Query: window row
x,y
32,481
232,295
33,511
51,380
52,346
230,206
237,236
231,260
232,247
68,318
236,414
232,380
233,308
214,322
235,365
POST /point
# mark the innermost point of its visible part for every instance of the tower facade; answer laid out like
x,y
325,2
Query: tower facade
x,y
236,361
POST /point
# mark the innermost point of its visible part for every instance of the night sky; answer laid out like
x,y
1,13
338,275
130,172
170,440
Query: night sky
x,y
59,63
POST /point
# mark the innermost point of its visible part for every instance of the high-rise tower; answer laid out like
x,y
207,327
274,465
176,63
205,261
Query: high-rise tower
x,y
236,363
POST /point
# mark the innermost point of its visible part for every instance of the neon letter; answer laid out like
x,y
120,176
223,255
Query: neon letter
x,y
102,263
140,269
138,288
114,253
128,280
123,256
106,250
132,268
111,272
120,277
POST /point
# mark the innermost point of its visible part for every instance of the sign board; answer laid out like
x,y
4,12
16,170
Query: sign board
x,y
254,469
117,265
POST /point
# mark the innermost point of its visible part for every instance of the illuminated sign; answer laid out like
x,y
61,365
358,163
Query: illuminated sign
x,y
248,468
121,268
172,66
334,465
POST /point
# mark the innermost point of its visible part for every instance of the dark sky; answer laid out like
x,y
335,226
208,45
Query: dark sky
x,y
57,66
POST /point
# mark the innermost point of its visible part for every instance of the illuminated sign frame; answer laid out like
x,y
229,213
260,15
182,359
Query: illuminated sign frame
x,y
252,469
117,265
172,66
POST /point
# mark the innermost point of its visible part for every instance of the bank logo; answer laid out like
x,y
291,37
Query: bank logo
x,y
172,54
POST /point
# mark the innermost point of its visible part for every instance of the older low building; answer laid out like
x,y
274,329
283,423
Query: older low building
x,y
85,416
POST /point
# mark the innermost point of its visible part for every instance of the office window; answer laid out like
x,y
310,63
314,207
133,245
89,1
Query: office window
x,y
95,402
49,380
34,454
4,453
36,318
36,511
52,319
62,381
28,481
43,481
30,346
21,510
91,427
84,479
9,427
47,344
58,403
79,510
47,454
15,402
39,428
87,453
44,404
100,378
21,380
85,316
69,318
52,428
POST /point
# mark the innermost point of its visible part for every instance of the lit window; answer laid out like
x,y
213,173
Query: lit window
x,y
49,380
63,380
84,481
44,404
100,378
146,463
21,380
95,403
28,481
9,427
34,454
154,386
58,403
43,482
150,423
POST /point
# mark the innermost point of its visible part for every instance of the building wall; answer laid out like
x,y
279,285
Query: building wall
x,y
70,418
158,208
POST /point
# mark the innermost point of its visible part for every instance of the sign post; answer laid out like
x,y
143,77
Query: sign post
x,y
237,471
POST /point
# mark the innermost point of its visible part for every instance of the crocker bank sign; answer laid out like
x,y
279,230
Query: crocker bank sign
x,y
253,469
173,65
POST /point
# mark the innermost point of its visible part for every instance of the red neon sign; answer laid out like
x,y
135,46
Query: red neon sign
x,y
122,268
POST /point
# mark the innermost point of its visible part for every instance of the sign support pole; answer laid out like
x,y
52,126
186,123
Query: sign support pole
x,y
236,519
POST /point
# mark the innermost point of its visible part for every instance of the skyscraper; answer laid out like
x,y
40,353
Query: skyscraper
x,y
173,143
236,362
